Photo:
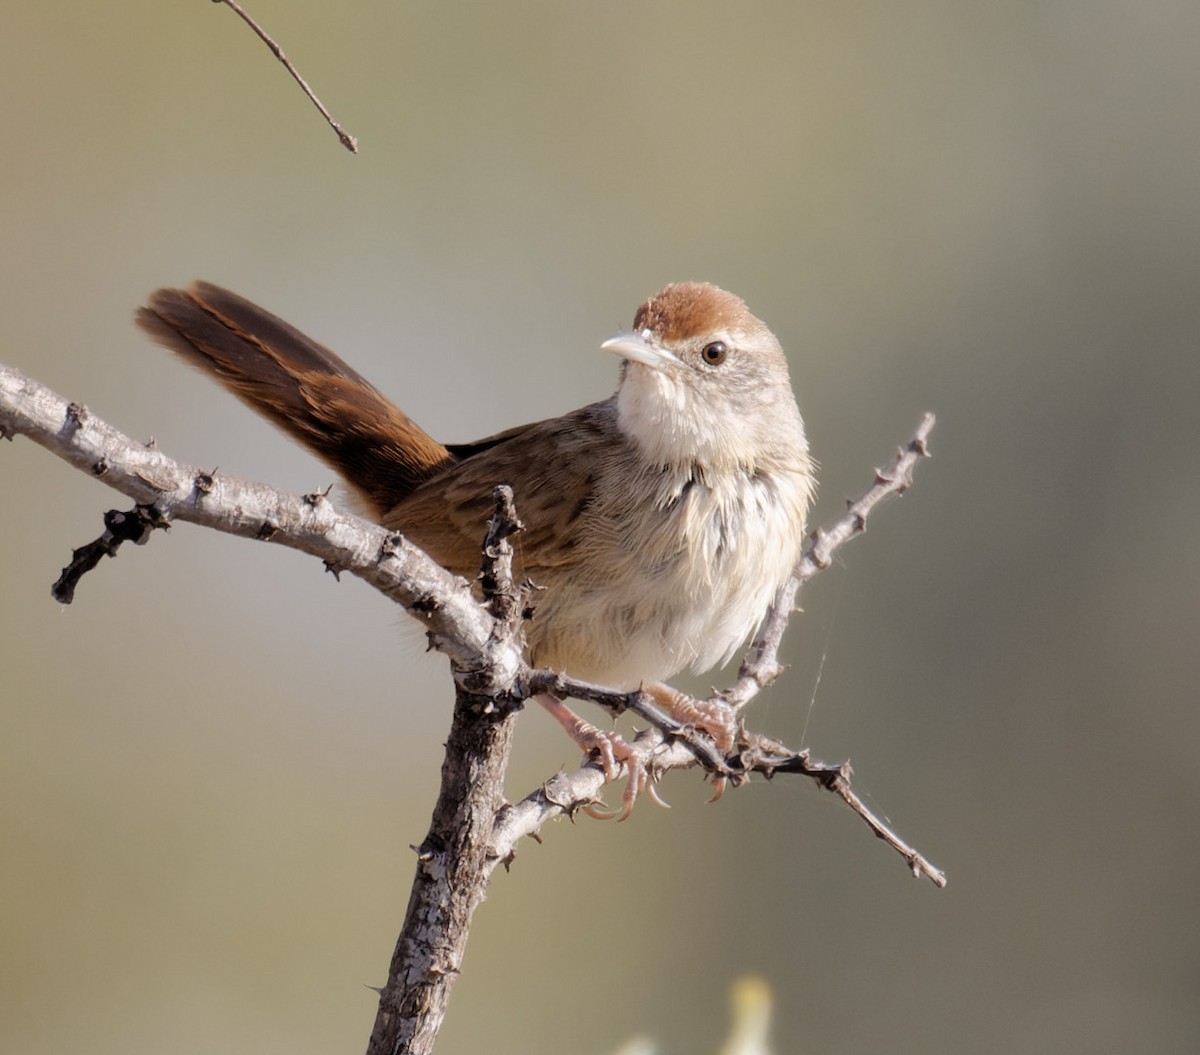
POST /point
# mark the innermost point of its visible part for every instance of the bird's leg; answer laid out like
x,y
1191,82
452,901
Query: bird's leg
x,y
613,751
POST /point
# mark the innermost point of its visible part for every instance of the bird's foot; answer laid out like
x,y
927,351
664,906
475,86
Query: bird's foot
x,y
614,753
719,720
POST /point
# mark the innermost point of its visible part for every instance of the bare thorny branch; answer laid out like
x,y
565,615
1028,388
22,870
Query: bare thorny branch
x,y
473,828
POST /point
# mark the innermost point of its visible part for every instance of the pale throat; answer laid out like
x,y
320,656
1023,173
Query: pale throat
x,y
672,425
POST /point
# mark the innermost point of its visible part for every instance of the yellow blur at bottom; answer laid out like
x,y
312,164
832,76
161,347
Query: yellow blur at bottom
x,y
750,1002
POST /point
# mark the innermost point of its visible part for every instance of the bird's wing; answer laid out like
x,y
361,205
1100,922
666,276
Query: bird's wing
x,y
546,463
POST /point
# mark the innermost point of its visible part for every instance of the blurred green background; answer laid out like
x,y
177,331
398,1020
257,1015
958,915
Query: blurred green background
x,y
213,763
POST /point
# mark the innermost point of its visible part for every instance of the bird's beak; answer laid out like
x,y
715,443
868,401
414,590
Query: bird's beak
x,y
637,349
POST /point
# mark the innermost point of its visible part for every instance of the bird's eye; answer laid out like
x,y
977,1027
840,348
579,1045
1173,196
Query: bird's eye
x,y
714,353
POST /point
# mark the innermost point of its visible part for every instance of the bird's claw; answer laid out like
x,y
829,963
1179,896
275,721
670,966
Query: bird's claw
x,y
615,753
720,783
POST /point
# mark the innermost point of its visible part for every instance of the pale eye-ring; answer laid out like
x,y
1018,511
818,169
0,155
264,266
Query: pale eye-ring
x,y
714,353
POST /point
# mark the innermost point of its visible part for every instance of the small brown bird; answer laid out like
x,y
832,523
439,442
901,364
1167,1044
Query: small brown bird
x,y
659,522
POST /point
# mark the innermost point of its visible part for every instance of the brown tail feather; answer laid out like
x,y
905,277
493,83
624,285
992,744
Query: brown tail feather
x,y
299,385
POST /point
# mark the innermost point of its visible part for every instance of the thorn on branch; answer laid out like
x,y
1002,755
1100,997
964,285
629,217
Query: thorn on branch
x,y
817,549
134,526
77,415
315,498
391,545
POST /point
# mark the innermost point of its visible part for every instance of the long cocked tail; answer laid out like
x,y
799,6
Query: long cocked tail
x,y
299,385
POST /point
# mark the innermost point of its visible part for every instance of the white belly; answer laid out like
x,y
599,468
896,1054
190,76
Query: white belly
x,y
688,594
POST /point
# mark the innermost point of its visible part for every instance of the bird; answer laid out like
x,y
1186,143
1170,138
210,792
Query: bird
x,y
658,523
